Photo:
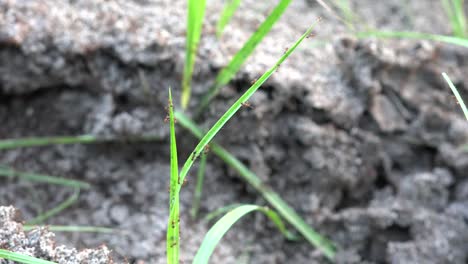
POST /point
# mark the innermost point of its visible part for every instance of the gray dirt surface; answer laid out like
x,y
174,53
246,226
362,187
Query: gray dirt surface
x,y
360,136
40,242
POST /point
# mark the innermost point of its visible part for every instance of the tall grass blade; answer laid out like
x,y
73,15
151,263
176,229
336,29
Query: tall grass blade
x,y
270,196
456,14
42,141
195,14
228,11
457,94
35,177
236,62
172,238
199,186
414,35
234,108
84,139
216,232
22,258
59,208
74,229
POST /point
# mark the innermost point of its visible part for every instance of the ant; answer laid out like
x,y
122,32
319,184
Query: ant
x,y
194,155
253,81
247,104
206,149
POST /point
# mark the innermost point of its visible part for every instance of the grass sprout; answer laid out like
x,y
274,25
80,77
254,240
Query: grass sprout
x,y
195,14
199,186
22,258
234,108
270,196
71,228
414,35
457,94
228,72
59,140
456,14
216,232
35,177
172,237
228,11
59,208
220,211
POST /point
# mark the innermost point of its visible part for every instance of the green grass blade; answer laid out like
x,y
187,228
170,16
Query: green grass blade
x,y
42,141
196,12
22,258
457,94
236,62
216,232
235,107
172,238
228,11
35,177
84,139
414,35
456,14
220,211
270,196
199,186
59,208
74,229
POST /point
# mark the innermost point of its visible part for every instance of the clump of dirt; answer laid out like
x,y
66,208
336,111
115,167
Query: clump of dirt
x,y
361,137
40,242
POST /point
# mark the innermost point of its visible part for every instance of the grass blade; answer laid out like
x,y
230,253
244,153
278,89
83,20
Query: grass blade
x,y
172,238
199,187
216,232
41,141
457,94
456,14
22,258
270,196
9,172
236,62
414,35
62,206
226,16
234,108
196,12
214,214
76,229
84,139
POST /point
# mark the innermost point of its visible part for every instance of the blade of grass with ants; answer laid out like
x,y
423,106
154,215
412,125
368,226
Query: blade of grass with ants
x,y
288,213
35,177
228,11
172,237
228,72
216,232
234,108
195,14
22,258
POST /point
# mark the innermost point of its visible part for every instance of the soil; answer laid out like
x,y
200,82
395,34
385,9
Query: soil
x,y
361,136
